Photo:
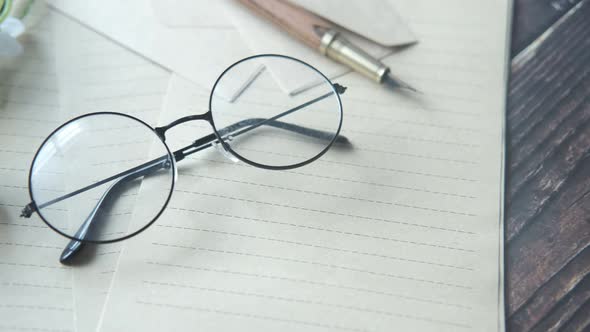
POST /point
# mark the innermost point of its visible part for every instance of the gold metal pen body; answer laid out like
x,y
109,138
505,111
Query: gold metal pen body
x,y
336,47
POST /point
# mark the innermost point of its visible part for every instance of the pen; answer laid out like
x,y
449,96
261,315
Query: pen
x,y
322,35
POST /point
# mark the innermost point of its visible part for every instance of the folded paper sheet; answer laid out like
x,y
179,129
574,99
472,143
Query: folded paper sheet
x,y
263,36
359,16
102,76
196,40
191,13
400,232
376,20
199,53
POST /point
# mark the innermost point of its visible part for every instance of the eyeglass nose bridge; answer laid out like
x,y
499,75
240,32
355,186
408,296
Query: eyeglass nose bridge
x,y
211,139
161,131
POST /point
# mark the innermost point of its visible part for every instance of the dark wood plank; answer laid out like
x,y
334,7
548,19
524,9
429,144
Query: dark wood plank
x,y
548,170
560,285
570,306
532,17
580,320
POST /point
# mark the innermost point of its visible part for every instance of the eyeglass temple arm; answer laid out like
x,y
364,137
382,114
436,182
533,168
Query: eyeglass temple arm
x,y
246,125
287,126
74,246
315,133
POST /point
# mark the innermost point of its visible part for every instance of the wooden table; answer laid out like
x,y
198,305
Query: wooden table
x,y
547,224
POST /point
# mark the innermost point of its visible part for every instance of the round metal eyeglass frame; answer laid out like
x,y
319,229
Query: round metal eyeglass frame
x,y
5,6
204,142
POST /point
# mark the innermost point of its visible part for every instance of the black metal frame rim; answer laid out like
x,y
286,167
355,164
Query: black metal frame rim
x,y
173,182
4,9
270,167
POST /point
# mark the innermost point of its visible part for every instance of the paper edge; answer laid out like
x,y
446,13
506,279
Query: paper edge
x,y
502,205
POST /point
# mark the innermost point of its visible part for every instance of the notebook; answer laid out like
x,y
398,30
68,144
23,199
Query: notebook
x,y
403,231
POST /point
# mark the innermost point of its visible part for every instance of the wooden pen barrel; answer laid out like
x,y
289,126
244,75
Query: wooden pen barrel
x,y
299,22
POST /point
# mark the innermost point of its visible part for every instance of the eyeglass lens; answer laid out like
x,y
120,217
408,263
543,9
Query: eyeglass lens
x,y
95,151
289,113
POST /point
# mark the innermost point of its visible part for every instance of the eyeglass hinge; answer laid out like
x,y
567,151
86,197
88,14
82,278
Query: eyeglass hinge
x,y
340,89
28,210
178,155
160,131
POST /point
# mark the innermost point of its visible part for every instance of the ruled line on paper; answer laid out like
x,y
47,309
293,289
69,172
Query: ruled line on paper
x,y
21,225
23,135
117,66
43,121
270,239
377,134
17,152
247,238
52,267
30,245
30,285
395,170
30,88
292,321
411,138
306,301
31,103
246,315
303,226
34,307
401,106
304,281
326,160
325,264
110,81
101,75
352,165
108,253
342,179
331,195
374,149
15,327
360,199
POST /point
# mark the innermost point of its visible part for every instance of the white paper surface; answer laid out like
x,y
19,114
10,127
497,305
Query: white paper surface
x,y
359,16
191,13
263,36
423,181
400,233
35,289
376,20
102,76
198,53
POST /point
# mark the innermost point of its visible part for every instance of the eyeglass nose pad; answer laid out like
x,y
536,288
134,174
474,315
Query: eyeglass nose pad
x,y
223,151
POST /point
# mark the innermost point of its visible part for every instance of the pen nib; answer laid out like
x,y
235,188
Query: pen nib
x,y
396,83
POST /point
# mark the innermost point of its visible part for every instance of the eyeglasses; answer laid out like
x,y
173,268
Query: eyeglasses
x,y
270,111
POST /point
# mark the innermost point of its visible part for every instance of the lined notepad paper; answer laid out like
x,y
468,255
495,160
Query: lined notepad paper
x,y
35,290
400,232
99,75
